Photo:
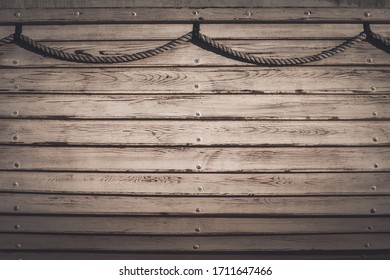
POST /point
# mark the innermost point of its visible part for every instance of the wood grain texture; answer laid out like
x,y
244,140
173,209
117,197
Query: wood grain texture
x,y
132,205
316,255
149,225
197,184
194,159
121,15
190,55
86,32
251,107
206,244
194,132
198,80
191,3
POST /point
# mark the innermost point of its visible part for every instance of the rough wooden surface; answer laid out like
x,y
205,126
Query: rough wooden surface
x,y
184,106
197,184
158,159
129,205
96,15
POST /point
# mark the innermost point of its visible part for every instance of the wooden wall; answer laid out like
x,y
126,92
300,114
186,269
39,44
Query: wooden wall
x,y
190,154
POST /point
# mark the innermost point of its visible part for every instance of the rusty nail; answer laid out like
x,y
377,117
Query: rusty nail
x,y
196,86
197,229
307,13
200,188
17,227
373,210
367,14
17,14
16,208
17,246
367,245
15,184
197,210
196,247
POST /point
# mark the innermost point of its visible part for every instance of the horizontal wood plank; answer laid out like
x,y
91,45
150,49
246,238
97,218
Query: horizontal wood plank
x,y
259,107
316,80
197,184
85,32
194,159
205,244
121,15
190,3
128,205
189,226
194,132
190,55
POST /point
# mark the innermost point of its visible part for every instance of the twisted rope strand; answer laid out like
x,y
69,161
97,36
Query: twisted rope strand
x,y
195,36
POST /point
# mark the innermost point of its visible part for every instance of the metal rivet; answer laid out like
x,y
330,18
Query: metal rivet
x,y
15,184
197,210
197,229
307,13
198,139
197,114
16,208
17,227
374,139
16,165
198,167
370,227
373,188
247,14
373,211
17,246
367,245
196,86
15,62
15,137
16,87
134,14
374,114
15,113
367,14
196,247
77,14
196,60
17,14
376,165
370,60
200,188
195,13
372,88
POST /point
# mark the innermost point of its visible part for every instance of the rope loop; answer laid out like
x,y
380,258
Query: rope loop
x,y
196,37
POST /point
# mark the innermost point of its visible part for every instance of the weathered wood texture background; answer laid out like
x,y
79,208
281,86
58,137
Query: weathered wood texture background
x,y
190,154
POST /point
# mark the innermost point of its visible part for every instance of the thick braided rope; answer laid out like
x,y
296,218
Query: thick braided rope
x,y
243,56
7,40
82,58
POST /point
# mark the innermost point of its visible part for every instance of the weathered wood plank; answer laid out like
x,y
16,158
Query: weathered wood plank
x,y
205,244
87,255
259,107
85,32
189,226
122,15
315,80
191,3
197,184
133,205
190,55
194,132
247,159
